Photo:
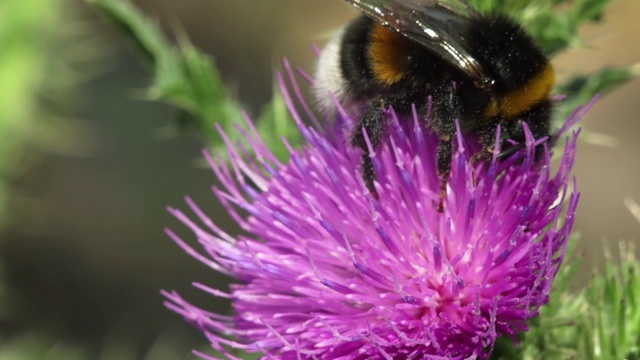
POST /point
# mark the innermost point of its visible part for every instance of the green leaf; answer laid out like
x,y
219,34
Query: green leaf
x,y
188,79
235,352
144,34
276,123
37,72
581,88
183,76
615,299
37,347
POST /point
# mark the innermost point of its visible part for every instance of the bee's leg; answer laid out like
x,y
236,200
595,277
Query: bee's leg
x,y
444,152
447,109
510,150
509,130
514,130
537,120
373,123
487,138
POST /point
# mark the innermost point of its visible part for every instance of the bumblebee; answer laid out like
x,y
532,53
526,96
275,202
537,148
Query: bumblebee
x,y
483,70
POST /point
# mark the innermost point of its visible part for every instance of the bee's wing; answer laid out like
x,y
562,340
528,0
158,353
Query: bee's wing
x,y
435,24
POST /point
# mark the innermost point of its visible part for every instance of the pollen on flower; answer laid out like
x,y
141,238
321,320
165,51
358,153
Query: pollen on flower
x,y
329,271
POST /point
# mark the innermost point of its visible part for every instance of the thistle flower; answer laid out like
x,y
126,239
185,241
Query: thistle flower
x,y
327,271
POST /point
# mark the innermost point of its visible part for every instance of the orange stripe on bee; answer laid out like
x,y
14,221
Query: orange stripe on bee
x,y
386,55
522,99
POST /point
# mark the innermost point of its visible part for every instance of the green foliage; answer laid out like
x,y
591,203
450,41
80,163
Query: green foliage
x,y
35,68
33,347
615,303
235,352
22,69
274,124
581,88
187,78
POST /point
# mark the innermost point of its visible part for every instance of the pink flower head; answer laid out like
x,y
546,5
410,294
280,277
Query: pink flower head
x,y
327,271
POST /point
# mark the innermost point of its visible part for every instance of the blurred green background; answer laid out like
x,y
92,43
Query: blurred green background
x,y
82,252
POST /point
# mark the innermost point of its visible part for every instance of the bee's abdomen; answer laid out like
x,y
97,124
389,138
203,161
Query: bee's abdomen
x,y
375,60
344,70
390,56
329,79
367,61
373,56
355,64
